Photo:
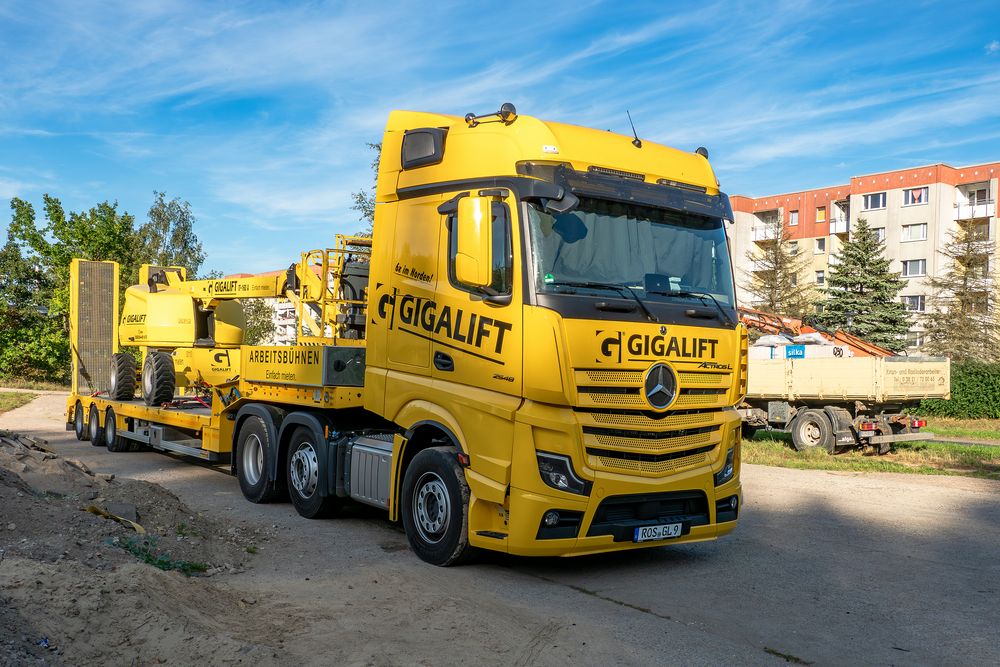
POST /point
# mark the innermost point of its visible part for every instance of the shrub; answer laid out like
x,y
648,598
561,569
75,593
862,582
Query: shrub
x,y
975,393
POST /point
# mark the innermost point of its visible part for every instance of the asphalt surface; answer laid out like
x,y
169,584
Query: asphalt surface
x,y
825,568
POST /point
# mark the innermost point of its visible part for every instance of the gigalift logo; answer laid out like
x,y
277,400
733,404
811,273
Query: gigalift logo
x,y
642,347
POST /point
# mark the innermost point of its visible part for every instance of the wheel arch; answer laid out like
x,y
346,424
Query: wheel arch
x,y
271,416
320,426
421,435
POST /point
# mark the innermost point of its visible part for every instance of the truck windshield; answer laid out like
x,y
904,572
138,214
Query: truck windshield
x,y
660,254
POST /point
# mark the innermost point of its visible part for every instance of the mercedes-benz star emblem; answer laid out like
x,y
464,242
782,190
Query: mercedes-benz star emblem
x,y
660,386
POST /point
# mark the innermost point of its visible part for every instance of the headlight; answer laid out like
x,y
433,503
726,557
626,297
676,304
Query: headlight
x,y
557,471
728,469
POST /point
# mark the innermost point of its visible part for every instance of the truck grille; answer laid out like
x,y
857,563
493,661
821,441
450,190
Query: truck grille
x,y
620,515
623,389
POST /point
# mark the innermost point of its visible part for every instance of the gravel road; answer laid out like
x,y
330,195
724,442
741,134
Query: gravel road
x,y
825,568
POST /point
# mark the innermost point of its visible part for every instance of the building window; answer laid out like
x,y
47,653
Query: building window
x,y
793,247
879,234
820,277
821,214
820,246
793,218
874,200
979,196
914,339
914,303
914,267
914,196
915,232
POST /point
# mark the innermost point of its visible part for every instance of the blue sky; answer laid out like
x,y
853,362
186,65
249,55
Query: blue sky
x,y
257,113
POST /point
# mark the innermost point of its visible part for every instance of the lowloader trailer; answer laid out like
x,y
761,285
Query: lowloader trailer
x,y
537,352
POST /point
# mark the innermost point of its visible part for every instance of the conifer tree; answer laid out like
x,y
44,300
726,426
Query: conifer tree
x,y
962,320
774,283
863,294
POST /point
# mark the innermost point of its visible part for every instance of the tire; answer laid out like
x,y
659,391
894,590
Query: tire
x,y
305,477
253,454
435,507
94,430
80,423
158,379
113,441
812,430
122,377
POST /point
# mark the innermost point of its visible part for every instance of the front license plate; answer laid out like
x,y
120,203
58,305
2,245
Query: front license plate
x,y
662,532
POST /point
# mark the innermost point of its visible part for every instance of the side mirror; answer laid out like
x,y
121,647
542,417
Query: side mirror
x,y
473,225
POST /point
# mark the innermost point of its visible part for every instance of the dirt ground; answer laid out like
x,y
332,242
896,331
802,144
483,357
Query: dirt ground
x,y
825,568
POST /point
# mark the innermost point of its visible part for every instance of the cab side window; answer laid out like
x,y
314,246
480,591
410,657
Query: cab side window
x,y
502,251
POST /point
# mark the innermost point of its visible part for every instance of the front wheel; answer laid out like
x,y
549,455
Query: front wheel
x,y
305,477
812,430
435,507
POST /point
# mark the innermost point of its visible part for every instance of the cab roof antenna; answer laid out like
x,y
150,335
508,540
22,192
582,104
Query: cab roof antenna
x,y
637,142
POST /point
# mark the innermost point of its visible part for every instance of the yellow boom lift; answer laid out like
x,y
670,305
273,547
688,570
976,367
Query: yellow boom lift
x,y
537,352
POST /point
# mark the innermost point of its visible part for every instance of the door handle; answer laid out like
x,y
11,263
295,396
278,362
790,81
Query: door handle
x,y
443,362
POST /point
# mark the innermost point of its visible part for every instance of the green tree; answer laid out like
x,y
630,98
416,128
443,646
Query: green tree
x,y
168,237
863,294
364,200
774,283
961,322
260,321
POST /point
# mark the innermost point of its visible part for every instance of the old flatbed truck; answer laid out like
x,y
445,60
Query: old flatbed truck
x,y
542,357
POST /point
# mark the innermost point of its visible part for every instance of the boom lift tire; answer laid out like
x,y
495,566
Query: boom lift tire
x,y
158,379
80,423
305,477
435,507
812,429
253,451
94,430
113,441
122,377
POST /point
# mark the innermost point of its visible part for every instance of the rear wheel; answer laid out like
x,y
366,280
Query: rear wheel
x,y
80,423
812,430
253,451
113,441
158,379
94,430
122,376
435,507
305,477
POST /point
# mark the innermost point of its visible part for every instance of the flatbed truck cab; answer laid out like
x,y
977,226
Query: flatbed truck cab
x,y
548,361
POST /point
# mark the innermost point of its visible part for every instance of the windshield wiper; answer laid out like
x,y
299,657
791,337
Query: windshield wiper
x,y
698,295
621,289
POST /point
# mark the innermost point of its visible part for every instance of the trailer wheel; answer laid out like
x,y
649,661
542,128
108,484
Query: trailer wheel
x,y
435,507
94,430
305,477
811,430
113,441
122,377
79,423
158,379
253,450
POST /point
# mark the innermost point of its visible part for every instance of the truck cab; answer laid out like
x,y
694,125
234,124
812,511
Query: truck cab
x,y
557,304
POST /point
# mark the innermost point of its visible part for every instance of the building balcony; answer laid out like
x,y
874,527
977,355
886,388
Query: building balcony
x,y
765,233
840,225
980,209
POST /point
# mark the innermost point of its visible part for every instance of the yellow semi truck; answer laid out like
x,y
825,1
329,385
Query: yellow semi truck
x,y
537,352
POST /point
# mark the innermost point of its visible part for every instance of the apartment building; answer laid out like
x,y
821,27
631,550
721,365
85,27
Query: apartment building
x,y
912,210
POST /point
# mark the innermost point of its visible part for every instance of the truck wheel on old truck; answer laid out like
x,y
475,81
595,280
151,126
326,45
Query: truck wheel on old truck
x,y
80,423
435,507
253,451
305,477
95,432
811,429
122,377
158,379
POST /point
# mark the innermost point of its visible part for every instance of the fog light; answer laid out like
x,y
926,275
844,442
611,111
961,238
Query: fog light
x,y
728,470
733,503
551,518
557,471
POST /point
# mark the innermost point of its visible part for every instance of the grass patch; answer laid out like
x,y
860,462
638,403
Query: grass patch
x,y
145,549
252,549
16,383
10,400
922,458
976,429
